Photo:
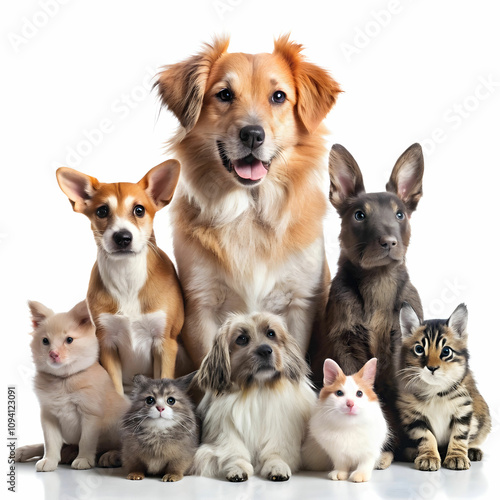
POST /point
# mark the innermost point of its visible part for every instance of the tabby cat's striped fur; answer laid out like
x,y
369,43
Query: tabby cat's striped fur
x,y
442,412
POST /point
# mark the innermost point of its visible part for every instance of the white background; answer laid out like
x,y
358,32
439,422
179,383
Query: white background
x,y
411,70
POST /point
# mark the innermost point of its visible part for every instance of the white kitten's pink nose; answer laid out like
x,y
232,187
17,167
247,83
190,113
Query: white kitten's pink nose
x,y
349,403
54,355
160,408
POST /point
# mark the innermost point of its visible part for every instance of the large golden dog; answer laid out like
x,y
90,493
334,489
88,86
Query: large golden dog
x,y
248,214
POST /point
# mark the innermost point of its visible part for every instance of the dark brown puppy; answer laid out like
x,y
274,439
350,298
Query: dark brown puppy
x,y
372,282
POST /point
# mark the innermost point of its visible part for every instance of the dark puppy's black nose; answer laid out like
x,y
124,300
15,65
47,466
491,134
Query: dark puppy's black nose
x,y
264,351
122,238
388,241
252,136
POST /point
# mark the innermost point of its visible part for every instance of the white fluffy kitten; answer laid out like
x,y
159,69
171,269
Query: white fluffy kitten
x,y
347,429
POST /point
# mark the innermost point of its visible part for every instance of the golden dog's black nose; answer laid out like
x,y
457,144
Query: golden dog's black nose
x,y
264,351
252,136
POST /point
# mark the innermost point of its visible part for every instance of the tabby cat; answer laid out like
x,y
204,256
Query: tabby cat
x,y
442,412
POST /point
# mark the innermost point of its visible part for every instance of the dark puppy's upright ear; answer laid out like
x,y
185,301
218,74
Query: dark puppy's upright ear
x,y
346,180
317,90
215,370
406,177
181,86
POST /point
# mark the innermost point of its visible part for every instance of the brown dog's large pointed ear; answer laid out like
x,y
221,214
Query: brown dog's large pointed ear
x,y
316,90
78,187
160,182
181,86
215,370
346,179
406,177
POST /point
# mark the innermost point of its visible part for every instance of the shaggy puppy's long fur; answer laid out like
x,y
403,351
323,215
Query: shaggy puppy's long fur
x,y
248,216
258,401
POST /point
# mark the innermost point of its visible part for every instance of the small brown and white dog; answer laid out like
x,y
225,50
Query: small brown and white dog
x,y
248,233
258,401
134,294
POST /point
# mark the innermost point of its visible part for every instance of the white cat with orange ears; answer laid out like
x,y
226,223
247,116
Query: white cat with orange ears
x,y
347,430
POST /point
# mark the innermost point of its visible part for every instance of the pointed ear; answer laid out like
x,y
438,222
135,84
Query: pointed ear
x,y
81,313
183,383
408,320
181,86
406,177
160,182
39,313
316,90
215,370
140,380
331,371
369,371
346,180
78,187
458,320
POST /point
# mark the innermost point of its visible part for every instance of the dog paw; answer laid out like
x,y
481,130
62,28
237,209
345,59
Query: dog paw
x,y
428,462
239,473
338,475
276,470
475,454
459,462
135,476
171,478
110,459
82,463
385,459
359,476
46,465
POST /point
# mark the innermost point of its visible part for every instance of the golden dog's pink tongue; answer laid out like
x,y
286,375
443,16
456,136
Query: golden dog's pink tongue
x,y
253,171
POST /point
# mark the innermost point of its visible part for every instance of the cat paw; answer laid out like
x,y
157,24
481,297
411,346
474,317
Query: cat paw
x,y
238,474
110,459
338,475
82,463
276,470
460,462
385,459
171,478
359,476
475,454
135,476
429,463
46,465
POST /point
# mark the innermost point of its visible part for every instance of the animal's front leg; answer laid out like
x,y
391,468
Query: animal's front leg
x,y
88,443
457,456
53,443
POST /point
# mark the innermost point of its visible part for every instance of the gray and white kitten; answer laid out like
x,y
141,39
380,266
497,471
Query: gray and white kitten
x,y
160,433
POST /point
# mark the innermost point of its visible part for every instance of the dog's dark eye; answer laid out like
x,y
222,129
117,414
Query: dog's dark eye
x,y
339,394
278,97
45,341
242,340
225,95
359,215
139,211
102,212
171,401
271,334
359,394
400,215
419,349
69,340
445,352
150,400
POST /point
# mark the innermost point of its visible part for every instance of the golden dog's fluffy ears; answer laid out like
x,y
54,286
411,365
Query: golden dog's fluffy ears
x,y
317,90
295,367
215,370
181,86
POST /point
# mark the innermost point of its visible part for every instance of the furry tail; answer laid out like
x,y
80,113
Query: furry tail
x,y
28,452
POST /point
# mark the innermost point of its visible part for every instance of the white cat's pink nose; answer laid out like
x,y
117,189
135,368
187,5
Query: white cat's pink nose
x,y
349,403
160,408
54,355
